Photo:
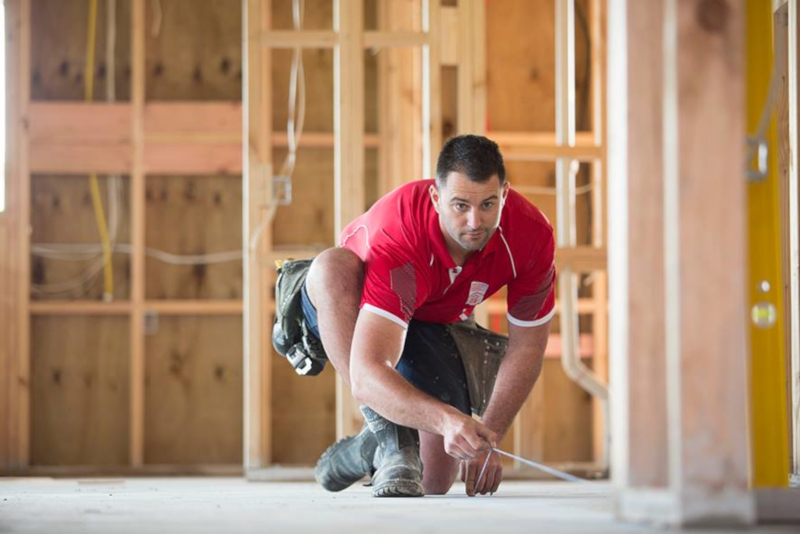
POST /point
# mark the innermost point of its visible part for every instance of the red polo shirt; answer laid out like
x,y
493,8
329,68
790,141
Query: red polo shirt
x,y
409,273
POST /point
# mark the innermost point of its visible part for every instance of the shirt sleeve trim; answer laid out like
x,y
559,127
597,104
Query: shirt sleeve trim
x,y
535,322
383,313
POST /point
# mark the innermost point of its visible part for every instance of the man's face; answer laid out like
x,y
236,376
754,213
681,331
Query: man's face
x,y
469,212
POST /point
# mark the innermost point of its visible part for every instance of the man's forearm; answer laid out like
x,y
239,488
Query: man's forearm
x,y
518,373
387,392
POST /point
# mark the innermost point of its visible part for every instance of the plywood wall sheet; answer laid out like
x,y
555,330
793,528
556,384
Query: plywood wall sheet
x,y
308,220
58,49
449,102
568,417
318,15
318,68
193,391
194,50
303,413
407,15
193,215
62,213
522,68
80,390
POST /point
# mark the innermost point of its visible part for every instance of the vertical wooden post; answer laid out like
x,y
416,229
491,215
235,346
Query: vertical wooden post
x,y
15,263
636,280
599,278
687,255
431,87
257,195
348,131
400,97
137,235
705,303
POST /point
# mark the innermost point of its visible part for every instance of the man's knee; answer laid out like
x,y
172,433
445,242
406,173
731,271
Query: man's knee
x,y
437,486
335,270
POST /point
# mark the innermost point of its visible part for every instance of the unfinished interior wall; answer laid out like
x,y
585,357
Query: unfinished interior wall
x,y
88,406
183,353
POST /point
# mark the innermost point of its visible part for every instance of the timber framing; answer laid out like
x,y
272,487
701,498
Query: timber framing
x,y
141,137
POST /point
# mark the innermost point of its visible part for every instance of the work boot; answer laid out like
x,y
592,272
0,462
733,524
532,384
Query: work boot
x,y
347,461
397,462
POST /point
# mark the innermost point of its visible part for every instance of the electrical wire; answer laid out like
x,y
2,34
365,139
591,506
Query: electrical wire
x,y
294,126
91,251
94,186
80,284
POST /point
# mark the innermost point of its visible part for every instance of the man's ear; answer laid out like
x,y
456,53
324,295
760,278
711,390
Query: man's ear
x,y
504,194
434,192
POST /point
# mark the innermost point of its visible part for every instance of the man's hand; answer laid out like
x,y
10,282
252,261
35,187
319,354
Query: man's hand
x,y
465,438
471,470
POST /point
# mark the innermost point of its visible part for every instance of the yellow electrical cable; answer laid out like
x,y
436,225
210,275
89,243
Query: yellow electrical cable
x,y
97,201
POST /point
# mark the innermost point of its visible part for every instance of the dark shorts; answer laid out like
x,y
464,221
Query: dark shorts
x,y
430,360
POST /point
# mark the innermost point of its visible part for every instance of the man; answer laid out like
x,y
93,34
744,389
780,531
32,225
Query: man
x,y
392,307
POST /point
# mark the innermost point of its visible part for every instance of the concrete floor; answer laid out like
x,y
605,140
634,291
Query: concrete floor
x,y
228,505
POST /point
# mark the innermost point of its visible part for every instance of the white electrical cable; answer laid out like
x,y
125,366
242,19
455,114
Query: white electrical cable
x,y
90,251
294,125
82,252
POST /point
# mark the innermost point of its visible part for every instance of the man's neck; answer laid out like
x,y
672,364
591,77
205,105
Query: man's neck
x,y
456,251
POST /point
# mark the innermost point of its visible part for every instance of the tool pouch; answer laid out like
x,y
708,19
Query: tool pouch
x,y
481,352
290,335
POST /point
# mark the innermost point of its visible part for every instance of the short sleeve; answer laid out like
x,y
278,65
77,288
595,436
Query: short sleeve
x,y
531,296
394,285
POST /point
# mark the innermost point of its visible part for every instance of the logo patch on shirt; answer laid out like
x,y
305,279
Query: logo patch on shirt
x,y
476,293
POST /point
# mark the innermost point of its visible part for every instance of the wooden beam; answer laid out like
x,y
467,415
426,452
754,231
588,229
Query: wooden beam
x,y
294,39
80,123
257,179
636,250
329,39
55,307
450,40
542,146
689,119
194,307
15,262
400,97
396,39
137,374
192,118
600,415
81,159
432,88
706,345
192,158
348,128
581,259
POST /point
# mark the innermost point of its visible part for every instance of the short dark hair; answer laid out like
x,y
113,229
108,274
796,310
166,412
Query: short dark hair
x,y
474,156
